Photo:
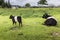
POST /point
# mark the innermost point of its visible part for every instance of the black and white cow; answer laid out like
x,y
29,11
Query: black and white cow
x,y
16,19
50,21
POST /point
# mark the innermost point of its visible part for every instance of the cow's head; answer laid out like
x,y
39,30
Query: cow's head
x,y
11,16
46,16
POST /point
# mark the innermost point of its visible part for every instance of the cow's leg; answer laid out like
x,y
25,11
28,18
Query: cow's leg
x,y
15,23
21,24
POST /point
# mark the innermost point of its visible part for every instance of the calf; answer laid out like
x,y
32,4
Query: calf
x,y
16,19
50,21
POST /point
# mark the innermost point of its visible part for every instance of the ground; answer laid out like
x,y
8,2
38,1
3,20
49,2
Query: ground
x,y
32,24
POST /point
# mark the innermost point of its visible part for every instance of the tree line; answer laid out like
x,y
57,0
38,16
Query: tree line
x,y
4,4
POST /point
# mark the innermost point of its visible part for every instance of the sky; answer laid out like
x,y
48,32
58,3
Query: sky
x,y
33,2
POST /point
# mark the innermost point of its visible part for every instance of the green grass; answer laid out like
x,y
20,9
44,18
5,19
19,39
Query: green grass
x,y
32,24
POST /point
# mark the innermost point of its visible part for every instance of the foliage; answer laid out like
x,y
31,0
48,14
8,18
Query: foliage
x,y
5,4
27,5
42,2
1,2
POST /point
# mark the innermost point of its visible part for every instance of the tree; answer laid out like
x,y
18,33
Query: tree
x,y
43,2
5,4
27,5
1,2
8,4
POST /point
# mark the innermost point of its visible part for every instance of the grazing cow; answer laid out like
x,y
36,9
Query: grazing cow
x,y
50,21
16,19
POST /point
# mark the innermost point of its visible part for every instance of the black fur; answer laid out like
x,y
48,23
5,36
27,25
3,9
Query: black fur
x,y
19,19
46,16
49,22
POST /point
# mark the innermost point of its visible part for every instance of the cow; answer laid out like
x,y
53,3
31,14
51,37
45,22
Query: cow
x,y
50,21
16,19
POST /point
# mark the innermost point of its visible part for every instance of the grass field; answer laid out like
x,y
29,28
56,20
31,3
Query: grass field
x,y
32,24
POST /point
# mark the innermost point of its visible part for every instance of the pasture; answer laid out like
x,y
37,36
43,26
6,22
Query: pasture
x,y
32,24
